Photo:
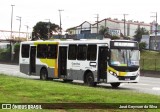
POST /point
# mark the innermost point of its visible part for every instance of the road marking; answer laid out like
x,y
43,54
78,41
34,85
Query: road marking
x,y
156,88
138,84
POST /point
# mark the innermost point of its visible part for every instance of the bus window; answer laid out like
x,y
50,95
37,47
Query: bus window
x,y
52,51
42,51
92,52
82,51
72,52
25,51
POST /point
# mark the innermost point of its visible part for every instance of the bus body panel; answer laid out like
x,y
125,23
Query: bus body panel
x,y
24,68
79,74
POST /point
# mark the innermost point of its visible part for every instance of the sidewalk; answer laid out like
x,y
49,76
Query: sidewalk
x,y
150,74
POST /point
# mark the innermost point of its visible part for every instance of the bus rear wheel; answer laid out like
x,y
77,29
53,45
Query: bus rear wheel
x,y
115,85
43,74
89,80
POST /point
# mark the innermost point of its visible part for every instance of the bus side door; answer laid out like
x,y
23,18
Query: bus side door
x,y
33,59
102,64
62,62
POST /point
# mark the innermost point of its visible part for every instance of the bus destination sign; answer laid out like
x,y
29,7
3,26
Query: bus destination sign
x,y
123,44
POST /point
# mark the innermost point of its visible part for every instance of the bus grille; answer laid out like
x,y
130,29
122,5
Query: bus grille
x,y
126,77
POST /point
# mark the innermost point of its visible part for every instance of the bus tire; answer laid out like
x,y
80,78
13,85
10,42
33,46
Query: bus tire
x,y
89,80
43,74
67,80
115,85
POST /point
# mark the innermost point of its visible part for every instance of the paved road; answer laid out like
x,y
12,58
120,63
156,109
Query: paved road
x,y
13,70
149,85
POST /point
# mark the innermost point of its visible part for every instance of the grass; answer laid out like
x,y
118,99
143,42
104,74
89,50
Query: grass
x,y
19,90
150,60
15,90
146,54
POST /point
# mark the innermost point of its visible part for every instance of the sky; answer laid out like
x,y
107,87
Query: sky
x,y
74,12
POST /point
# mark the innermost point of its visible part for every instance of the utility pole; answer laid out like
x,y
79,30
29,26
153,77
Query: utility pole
x,y
48,26
156,25
60,21
12,18
97,16
11,44
19,18
124,24
27,32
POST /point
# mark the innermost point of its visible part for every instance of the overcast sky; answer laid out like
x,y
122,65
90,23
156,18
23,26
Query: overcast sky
x,y
75,11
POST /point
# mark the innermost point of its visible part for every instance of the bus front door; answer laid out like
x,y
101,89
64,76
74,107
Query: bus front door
x,y
62,62
102,64
33,60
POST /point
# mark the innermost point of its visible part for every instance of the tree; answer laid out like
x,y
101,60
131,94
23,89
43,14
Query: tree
x,y
139,32
43,30
105,32
142,45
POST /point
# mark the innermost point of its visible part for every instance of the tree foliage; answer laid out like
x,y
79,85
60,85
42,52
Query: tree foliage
x,y
139,32
142,45
105,32
43,30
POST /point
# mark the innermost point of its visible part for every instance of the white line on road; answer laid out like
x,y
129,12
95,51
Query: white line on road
x,y
156,88
138,84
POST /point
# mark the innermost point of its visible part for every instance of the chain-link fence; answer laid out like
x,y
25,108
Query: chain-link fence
x,y
150,64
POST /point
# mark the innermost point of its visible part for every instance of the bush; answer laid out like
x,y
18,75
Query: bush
x,y
16,47
16,50
5,56
142,45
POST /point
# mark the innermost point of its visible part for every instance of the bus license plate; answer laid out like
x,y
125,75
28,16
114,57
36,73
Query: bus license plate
x,y
127,79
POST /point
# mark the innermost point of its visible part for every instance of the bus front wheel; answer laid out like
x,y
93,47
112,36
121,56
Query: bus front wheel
x,y
43,74
89,79
115,85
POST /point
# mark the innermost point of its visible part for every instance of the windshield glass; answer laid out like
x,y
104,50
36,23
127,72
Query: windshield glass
x,y
124,57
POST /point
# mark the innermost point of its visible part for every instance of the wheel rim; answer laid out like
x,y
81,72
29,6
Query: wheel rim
x,y
89,79
44,74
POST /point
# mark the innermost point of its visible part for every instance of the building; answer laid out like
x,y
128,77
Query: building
x,y
116,27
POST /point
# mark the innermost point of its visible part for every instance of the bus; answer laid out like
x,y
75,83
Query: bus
x,y
91,61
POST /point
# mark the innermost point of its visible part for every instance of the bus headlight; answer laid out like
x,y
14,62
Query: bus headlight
x,y
112,73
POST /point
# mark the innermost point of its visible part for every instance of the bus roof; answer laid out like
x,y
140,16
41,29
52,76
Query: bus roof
x,y
66,42
69,41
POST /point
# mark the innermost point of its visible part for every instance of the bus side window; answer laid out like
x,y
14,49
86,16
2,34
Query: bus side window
x,y
42,51
82,52
25,51
72,52
52,51
92,52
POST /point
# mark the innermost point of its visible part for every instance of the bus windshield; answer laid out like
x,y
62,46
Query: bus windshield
x,y
124,57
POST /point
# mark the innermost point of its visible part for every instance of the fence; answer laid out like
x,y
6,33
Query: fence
x,y
150,64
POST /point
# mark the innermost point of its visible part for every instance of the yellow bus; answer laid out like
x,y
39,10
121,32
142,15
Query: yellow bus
x,y
91,61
